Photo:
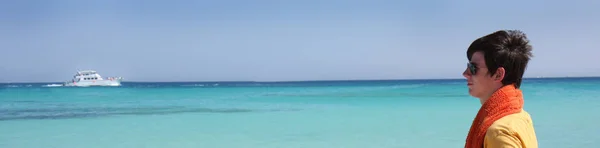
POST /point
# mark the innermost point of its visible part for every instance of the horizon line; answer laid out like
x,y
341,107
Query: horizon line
x,y
325,80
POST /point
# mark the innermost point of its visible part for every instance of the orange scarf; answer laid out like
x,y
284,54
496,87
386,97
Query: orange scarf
x,y
505,101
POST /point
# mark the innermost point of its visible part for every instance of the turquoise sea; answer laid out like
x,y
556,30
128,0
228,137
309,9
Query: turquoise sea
x,y
310,114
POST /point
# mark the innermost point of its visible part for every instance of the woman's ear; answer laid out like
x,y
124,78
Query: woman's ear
x,y
500,73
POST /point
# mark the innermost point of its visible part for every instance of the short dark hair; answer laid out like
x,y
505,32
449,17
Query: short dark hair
x,y
509,49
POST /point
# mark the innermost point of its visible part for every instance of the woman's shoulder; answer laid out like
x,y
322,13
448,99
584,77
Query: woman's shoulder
x,y
519,119
515,128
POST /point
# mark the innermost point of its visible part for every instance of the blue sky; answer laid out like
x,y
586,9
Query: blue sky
x,y
274,40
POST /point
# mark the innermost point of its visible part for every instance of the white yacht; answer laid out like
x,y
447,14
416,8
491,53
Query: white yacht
x,y
92,78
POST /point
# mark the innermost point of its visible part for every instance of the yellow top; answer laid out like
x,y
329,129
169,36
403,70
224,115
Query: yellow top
x,y
512,131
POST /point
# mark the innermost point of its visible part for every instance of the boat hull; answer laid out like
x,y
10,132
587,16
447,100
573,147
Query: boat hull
x,y
94,83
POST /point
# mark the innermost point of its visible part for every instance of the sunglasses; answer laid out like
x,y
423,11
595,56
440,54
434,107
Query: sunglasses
x,y
472,68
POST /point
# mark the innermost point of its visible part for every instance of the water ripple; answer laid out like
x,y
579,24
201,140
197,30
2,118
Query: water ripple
x,y
66,113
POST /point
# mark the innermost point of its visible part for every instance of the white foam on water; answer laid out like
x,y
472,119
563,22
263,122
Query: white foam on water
x,y
53,85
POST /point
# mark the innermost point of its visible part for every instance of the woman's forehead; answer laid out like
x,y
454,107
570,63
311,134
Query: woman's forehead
x,y
477,58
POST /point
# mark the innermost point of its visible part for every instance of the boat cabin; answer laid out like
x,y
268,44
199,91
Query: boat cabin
x,y
87,75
